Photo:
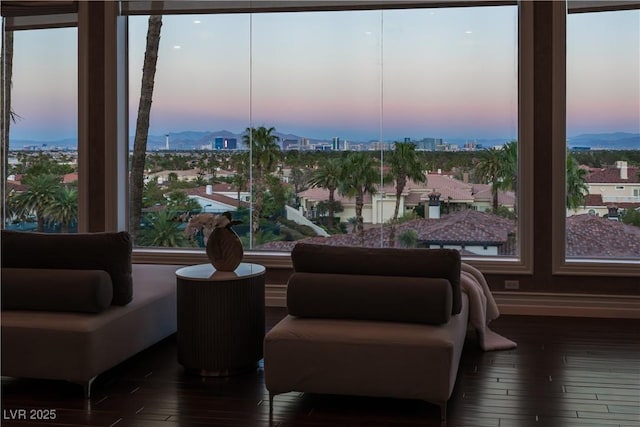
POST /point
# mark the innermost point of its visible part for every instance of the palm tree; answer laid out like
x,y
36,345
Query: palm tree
x,y
142,124
498,167
327,176
577,186
7,114
39,196
179,201
64,208
358,177
408,239
152,194
241,165
403,165
163,230
300,179
509,177
265,155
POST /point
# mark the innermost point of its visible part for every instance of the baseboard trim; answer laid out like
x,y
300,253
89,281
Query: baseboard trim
x,y
569,305
531,304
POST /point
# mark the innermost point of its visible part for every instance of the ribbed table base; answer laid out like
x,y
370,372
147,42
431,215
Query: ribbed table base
x,y
220,325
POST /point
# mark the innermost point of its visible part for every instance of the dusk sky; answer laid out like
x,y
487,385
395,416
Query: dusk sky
x,y
367,75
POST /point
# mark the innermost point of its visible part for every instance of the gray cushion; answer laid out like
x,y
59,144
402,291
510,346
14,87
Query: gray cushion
x,y
88,291
110,252
432,263
386,298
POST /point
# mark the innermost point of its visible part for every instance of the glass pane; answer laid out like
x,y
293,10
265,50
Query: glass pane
x,y
454,95
333,100
42,178
321,91
195,163
603,135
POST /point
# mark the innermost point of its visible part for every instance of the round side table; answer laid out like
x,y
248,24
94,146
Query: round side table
x,y
220,318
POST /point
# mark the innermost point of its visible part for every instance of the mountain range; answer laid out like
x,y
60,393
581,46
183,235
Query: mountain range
x,y
194,140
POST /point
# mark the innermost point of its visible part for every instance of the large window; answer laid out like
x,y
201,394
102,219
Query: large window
x,y
377,128
603,135
41,116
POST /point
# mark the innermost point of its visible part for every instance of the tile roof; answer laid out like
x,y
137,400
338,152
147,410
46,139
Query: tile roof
x,y
587,235
463,227
69,178
202,192
595,200
612,176
592,236
16,186
482,193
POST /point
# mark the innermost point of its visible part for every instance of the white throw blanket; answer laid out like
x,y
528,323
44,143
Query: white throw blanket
x,y
482,309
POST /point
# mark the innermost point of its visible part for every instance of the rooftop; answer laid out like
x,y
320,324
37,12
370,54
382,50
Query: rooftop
x,y
587,235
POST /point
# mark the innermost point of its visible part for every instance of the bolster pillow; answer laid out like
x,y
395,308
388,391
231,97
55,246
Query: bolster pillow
x,y
87,291
432,263
109,251
385,298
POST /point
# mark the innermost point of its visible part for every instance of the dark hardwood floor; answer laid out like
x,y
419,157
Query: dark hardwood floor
x,y
565,372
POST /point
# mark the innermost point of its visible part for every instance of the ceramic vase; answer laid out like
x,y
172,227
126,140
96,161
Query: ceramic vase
x,y
224,248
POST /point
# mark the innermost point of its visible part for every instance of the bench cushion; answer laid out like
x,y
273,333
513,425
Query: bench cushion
x,y
107,251
88,291
385,298
78,346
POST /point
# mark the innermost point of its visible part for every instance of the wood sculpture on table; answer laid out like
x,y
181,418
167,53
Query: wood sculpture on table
x,y
224,248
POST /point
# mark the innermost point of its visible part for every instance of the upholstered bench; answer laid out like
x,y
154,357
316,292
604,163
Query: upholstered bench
x,y
74,306
370,322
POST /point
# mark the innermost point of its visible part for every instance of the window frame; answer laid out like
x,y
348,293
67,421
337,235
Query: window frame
x,y
523,264
561,265
22,17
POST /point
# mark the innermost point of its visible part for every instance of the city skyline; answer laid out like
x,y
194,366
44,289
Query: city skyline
x,y
463,92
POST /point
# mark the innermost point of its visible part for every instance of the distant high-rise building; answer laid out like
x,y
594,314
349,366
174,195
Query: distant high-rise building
x,y
221,143
335,144
290,144
428,144
166,143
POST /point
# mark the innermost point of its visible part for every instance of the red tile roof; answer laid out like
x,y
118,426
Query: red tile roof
x,y
592,236
465,227
612,176
69,178
16,186
595,200
587,235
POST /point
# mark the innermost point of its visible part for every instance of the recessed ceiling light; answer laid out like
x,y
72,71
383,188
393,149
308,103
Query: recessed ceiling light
x,y
177,46
468,32
197,21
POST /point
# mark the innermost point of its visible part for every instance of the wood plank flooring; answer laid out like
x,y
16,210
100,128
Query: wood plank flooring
x,y
571,372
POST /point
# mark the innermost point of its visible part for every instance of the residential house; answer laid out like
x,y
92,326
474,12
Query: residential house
x,y
217,201
378,208
611,189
